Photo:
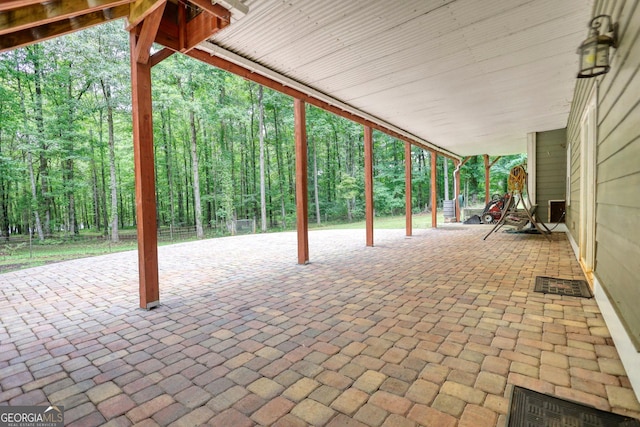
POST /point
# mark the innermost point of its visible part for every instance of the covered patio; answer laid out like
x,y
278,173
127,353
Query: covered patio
x,y
433,329
430,330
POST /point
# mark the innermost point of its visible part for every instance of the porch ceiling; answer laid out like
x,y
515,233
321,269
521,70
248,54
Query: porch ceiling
x,y
469,76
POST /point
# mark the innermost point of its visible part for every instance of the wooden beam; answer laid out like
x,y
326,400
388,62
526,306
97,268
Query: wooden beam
x,y
465,160
213,9
494,161
148,34
244,72
368,183
201,28
407,189
487,196
434,192
160,56
181,35
140,9
34,15
302,209
182,27
58,28
144,180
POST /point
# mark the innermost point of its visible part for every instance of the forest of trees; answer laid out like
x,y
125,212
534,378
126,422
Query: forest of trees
x,y
66,157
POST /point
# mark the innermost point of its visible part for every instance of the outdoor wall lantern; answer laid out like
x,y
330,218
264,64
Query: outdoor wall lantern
x,y
594,51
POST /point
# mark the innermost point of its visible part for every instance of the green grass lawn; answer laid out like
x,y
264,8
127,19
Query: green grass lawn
x,y
15,256
383,223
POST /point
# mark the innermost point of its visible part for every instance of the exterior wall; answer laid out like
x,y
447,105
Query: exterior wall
x,y
551,166
617,234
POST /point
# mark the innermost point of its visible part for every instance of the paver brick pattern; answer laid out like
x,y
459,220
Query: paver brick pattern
x,y
432,330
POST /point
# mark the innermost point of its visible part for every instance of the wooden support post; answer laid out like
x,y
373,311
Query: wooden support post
x,y
302,208
487,196
434,192
407,188
368,182
144,180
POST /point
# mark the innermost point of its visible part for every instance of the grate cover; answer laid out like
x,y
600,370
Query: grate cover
x,y
572,288
532,409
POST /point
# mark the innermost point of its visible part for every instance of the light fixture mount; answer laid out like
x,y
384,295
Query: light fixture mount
x,y
594,51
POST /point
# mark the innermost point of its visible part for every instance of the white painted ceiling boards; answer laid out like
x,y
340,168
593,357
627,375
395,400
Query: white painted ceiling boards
x,y
470,76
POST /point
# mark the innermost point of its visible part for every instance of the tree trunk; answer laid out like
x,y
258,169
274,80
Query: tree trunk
x,y
250,169
34,195
34,192
5,188
315,182
43,172
281,175
168,162
106,91
94,183
103,180
196,176
263,201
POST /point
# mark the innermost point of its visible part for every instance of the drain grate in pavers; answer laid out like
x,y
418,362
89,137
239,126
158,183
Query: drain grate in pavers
x,y
572,288
529,408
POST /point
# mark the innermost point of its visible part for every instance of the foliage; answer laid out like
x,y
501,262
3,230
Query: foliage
x,y
66,158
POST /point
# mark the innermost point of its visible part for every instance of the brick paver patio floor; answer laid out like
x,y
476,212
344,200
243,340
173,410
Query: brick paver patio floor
x,y
431,330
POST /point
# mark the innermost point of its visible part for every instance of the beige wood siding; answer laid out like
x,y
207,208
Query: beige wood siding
x,y
617,256
551,164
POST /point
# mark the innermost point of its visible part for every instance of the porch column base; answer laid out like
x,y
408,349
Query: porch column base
x,y
151,305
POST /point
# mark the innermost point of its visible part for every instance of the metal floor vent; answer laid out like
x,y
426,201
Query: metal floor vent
x,y
532,409
572,288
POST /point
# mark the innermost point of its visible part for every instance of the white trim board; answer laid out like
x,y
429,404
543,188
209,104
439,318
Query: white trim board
x,y
531,166
629,356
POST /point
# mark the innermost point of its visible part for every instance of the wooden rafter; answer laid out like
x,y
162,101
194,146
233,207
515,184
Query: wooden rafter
x,y
58,28
38,14
14,4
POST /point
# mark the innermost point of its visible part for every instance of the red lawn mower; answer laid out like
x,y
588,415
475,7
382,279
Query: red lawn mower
x,y
493,210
